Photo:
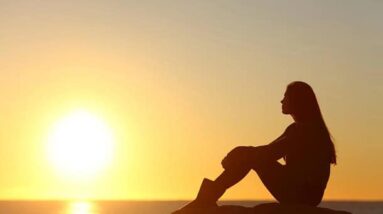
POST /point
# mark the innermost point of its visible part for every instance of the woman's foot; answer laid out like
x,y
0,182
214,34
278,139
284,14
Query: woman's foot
x,y
207,197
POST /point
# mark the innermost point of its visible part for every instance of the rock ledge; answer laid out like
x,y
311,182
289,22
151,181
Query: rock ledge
x,y
267,208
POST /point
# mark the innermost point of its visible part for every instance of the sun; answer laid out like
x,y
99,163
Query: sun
x,y
80,144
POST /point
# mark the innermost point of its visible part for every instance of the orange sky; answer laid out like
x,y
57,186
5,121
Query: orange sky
x,y
176,78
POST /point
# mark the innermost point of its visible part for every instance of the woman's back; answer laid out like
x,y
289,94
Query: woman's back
x,y
309,157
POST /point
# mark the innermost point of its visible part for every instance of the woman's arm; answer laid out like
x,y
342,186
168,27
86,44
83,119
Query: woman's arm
x,y
271,152
281,146
277,149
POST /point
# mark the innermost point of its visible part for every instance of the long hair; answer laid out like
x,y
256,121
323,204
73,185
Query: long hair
x,y
306,107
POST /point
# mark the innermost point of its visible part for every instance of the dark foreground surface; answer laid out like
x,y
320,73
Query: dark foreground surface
x,y
265,208
153,207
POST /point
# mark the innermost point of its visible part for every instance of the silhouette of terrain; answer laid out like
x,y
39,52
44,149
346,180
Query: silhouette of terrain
x,y
267,208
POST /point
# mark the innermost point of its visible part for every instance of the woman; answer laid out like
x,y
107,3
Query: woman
x,y
305,145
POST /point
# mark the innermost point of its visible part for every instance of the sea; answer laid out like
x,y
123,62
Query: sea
x,y
154,207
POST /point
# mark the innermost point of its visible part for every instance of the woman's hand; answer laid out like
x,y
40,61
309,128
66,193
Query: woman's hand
x,y
239,156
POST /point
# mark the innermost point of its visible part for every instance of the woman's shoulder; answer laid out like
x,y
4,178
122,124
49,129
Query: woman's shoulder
x,y
294,127
300,130
299,126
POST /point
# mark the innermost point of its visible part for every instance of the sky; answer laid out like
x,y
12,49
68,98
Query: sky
x,y
181,83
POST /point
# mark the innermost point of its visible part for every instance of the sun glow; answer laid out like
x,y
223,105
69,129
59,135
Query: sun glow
x,y
80,144
81,207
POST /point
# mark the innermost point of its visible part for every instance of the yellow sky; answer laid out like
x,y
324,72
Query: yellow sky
x,y
181,83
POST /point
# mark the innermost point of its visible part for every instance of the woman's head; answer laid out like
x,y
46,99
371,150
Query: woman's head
x,y
300,102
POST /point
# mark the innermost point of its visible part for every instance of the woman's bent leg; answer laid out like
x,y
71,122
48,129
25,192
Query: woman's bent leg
x,y
273,175
211,191
270,174
231,176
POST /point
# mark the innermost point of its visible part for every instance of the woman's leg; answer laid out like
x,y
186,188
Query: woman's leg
x,y
230,176
277,180
211,191
238,163
272,174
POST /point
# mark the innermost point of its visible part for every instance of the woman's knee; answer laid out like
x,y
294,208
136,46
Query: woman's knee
x,y
246,157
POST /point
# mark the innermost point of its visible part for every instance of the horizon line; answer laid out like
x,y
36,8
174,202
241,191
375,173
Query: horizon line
x,y
176,200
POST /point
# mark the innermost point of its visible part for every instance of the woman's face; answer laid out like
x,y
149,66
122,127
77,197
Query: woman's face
x,y
286,103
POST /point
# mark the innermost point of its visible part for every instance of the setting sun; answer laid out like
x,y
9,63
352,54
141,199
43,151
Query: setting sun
x,y
80,144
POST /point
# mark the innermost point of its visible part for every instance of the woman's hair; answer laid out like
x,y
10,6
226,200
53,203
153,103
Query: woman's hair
x,y
306,107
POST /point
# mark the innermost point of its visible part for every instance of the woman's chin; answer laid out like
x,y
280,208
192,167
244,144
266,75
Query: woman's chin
x,y
284,112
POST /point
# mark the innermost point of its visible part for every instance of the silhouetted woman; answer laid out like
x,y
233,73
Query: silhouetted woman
x,y
305,145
